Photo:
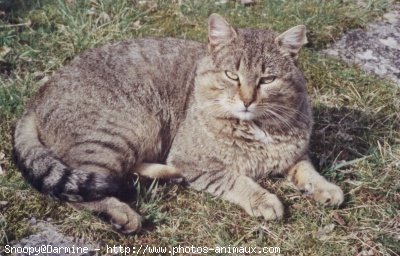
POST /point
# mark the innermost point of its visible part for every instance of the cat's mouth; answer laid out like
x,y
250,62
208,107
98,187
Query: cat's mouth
x,y
244,114
241,112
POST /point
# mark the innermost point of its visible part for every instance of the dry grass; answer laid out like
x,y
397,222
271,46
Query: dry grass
x,y
356,141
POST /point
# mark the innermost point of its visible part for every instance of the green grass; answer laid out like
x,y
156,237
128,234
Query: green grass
x,y
355,143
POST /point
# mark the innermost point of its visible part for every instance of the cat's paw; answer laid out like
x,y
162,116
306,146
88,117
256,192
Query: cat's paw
x,y
267,206
125,219
326,193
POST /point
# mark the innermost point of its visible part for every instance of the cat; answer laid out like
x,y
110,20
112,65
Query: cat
x,y
220,115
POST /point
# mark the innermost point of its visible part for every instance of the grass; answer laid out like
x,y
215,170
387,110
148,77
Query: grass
x,y
355,143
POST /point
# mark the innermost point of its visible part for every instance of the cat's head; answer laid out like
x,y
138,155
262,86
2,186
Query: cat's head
x,y
250,74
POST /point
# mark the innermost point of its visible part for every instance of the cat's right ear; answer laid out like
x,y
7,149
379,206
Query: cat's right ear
x,y
219,31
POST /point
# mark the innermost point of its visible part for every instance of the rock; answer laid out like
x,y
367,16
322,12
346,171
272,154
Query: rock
x,y
2,155
32,221
50,241
3,204
246,2
375,49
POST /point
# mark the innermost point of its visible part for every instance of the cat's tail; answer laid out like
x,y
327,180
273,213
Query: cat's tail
x,y
50,175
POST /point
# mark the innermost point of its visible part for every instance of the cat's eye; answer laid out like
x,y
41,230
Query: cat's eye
x,y
267,80
231,75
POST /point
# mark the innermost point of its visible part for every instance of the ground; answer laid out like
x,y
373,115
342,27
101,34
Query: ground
x,y
355,143
376,48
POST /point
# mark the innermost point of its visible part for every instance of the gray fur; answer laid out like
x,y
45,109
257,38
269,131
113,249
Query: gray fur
x,y
171,100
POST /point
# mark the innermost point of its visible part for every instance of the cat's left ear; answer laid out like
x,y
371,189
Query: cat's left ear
x,y
292,40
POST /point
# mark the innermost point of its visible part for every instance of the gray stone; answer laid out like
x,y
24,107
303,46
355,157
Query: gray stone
x,y
375,49
53,241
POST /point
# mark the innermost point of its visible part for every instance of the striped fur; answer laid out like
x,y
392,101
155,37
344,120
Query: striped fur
x,y
111,112
221,115
250,117
50,175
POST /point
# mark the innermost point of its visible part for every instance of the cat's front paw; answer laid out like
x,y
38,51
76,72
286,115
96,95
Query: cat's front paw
x,y
326,193
267,206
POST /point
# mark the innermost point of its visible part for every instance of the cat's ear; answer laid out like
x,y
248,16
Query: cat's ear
x,y
292,40
219,31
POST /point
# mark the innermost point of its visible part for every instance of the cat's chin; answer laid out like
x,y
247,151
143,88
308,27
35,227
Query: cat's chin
x,y
244,115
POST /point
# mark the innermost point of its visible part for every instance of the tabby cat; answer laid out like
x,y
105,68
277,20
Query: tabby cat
x,y
220,115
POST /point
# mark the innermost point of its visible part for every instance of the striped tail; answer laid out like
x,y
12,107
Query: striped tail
x,y
50,175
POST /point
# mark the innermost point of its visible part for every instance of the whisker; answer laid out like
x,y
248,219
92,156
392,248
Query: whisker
x,y
215,108
282,121
293,114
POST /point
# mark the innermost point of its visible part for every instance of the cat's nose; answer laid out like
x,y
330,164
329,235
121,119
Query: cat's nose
x,y
247,102
247,95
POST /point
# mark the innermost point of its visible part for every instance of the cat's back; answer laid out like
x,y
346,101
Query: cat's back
x,y
164,62
134,83
147,72
141,55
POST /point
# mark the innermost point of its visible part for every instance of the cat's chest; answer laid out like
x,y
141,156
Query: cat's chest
x,y
246,149
255,152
